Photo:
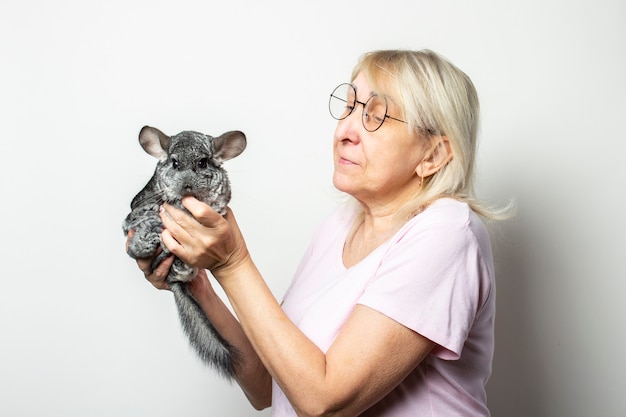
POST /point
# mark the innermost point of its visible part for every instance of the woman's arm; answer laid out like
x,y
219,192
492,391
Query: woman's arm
x,y
251,375
370,356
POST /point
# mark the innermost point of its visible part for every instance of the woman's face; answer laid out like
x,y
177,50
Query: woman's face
x,y
377,168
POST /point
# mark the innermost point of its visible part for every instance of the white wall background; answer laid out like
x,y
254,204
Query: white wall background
x,y
81,332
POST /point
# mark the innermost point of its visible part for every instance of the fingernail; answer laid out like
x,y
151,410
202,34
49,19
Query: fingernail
x,y
161,209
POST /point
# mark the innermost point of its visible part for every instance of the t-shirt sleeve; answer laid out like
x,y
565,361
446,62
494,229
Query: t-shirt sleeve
x,y
429,280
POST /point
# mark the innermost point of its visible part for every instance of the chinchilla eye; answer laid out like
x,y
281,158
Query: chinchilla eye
x,y
203,163
175,164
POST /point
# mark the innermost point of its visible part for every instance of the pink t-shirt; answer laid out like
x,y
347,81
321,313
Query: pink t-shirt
x,y
434,276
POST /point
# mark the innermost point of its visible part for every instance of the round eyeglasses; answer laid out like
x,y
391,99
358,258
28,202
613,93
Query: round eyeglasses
x,y
343,102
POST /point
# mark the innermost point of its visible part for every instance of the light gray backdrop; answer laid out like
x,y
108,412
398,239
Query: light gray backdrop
x,y
82,334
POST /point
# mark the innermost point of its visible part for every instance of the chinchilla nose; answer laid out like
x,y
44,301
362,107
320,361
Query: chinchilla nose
x,y
184,184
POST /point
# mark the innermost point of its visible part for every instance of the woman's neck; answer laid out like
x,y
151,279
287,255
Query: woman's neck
x,y
372,227
370,230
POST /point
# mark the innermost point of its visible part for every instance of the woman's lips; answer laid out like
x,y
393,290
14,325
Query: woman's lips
x,y
345,161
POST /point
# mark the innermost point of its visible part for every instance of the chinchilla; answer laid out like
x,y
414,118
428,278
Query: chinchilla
x,y
190,163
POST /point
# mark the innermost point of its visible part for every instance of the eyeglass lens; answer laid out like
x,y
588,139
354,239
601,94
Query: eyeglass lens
x,y
343,102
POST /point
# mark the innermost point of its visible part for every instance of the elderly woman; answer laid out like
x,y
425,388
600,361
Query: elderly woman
x,y
391,310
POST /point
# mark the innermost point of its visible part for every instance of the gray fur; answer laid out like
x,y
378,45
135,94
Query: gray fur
x,y
190,163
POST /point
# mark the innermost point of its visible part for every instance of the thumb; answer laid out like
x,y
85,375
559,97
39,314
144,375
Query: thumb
x,y
202,212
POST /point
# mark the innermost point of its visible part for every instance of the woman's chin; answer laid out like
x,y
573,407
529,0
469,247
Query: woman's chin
x,y
341,183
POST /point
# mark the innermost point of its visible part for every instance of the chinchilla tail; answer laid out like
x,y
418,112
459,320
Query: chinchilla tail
x,y
212,348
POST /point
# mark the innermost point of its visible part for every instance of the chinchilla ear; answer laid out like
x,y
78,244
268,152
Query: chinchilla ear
x,y
228,145
155,142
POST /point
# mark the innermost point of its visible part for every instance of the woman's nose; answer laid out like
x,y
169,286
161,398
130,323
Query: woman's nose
x,y
348,129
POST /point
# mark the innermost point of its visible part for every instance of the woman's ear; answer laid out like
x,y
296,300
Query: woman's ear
x,y
439,155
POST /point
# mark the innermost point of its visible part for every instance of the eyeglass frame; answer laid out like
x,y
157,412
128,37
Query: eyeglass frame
x,y
363,104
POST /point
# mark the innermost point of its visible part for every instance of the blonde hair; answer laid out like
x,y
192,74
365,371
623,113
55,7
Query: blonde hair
x,y
438,99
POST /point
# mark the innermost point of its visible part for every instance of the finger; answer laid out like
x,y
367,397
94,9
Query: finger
x,y
159,275
202,212
171,242
145,265
177,222
170,213
178,233
164,267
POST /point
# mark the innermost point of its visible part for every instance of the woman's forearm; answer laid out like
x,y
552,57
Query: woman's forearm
x,y
295,362
251,374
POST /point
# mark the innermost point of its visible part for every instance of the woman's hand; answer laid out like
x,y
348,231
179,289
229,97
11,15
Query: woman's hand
x,y
158,276
205,239
201,284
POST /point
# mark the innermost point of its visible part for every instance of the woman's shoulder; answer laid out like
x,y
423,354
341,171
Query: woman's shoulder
x,y
447,210
451,215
